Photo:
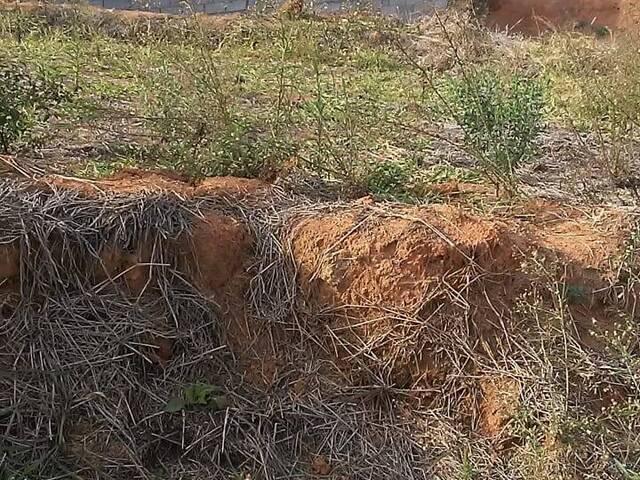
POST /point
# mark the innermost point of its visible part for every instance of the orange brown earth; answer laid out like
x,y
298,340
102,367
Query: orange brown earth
x,y
536,16
365,259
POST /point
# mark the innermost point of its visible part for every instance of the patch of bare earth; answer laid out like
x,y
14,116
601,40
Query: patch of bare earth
x,y
537,16
407,287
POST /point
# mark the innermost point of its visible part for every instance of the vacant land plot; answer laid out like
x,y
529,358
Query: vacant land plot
x,y
288,246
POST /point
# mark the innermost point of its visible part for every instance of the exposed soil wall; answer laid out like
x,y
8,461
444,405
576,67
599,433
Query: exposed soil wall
x,y
536,16
314,320
446,268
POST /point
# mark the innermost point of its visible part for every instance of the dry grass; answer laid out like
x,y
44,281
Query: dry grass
x,y
85,396
82,391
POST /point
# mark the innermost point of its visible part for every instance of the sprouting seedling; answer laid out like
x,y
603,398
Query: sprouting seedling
x,y
199,395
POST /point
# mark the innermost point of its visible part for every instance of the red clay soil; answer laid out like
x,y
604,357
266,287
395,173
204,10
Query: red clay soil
x,y
355,257
594,241
364,255
395,259
390,281
131,267
439,263
218,254
220,248
397,280
214,255
537,16
500,401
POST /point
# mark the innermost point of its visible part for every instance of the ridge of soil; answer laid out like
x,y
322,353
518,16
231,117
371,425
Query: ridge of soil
x,y
389,291
133,181
440,262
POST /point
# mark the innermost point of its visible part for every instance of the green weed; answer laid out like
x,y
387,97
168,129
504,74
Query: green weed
x,y
27,100
199,395
376,60
443,173
190,111
501,119
389,178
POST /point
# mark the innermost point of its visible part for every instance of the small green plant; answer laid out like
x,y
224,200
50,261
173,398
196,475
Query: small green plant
x,y
199,395
105,167
625,471
376,60
467,469
20,25
444,172
388,178
27,100
501,119
614,123
190,112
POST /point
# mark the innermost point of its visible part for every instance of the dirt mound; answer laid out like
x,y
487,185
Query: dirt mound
x,y
396,259
593,240
393,277
220,247
211,247
382,328
213,252
537,16
399,258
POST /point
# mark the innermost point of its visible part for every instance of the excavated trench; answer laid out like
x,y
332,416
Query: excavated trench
x,y
323,328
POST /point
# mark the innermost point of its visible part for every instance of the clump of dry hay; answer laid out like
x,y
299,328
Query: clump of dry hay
x,y
77,351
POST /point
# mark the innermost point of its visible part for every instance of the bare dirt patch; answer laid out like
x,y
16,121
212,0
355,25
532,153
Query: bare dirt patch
x,y
364,256
409,286
537,16
221,246
592,238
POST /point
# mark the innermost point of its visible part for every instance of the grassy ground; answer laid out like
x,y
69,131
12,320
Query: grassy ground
x,y
358,100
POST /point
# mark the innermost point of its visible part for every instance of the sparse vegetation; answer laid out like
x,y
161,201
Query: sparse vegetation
x,y
380,309
389,178
337,97
27,99
501,120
